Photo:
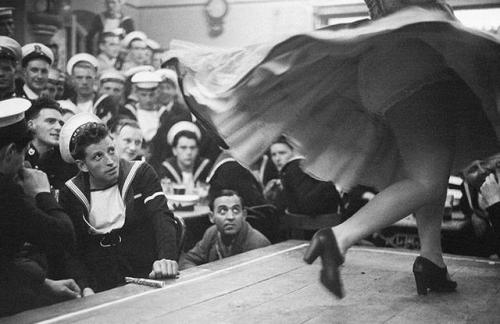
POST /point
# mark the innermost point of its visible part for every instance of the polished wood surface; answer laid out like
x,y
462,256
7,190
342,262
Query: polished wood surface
x,y
274,285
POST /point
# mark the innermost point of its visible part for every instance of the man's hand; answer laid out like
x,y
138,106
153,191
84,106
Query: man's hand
x,y
64,289
34,182
490,190
164,269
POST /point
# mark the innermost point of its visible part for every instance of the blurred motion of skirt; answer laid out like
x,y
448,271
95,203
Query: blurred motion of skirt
x,y
329,90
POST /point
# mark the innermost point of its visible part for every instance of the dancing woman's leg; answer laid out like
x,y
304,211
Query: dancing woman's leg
x,y
423,128
429,218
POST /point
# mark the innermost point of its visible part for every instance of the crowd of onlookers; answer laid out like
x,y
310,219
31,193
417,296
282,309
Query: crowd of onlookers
x,y
86,157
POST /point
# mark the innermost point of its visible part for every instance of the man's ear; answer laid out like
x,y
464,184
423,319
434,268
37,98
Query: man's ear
x,y
211,217
30,123
82,166
174,151
244,213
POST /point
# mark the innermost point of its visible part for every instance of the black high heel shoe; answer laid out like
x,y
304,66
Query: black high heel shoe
x,y
430,276
324,244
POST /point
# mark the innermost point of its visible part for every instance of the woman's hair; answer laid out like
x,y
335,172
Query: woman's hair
x,y
84,136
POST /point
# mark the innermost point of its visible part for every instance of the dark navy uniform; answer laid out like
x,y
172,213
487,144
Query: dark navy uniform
x,y
53,165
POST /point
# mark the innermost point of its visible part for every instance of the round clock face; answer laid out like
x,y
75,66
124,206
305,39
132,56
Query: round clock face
x,y
216,8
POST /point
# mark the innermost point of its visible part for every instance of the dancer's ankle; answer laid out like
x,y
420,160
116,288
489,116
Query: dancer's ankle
x,y
434,257
341,243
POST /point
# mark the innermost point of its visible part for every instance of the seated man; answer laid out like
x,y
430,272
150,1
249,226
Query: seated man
x,y
29,214
231,234
482,203
186,167
45,120
122,222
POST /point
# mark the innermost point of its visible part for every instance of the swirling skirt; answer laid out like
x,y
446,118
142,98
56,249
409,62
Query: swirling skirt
x,y
329,91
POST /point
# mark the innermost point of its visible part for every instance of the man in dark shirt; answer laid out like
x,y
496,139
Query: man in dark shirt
x,y
45,120
29,214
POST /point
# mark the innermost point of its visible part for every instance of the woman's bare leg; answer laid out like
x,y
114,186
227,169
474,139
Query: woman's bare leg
x,y
425,137
429,220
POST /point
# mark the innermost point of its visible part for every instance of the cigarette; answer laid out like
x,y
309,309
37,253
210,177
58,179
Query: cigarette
x,y
145,282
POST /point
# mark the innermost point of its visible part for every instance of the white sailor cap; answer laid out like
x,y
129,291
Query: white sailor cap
x,y
182,126
81,57
12,111
112,75
146,80
10,48
152,44
68,131
167,74
33,51
6,13
136,69
133,36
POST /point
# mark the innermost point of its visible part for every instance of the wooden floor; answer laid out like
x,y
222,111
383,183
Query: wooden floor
x,y
274,285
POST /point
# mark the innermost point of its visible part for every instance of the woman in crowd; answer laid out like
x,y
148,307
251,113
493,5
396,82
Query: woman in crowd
x,y
385,102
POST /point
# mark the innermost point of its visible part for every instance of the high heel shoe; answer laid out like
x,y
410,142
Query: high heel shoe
x,y
430,276
324,244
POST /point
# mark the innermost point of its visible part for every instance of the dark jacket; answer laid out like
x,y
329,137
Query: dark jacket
x,y
41,222
148,234
304,194
170,169
210,247
53,165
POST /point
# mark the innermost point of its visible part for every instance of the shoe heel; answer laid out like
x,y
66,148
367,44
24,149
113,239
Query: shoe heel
x,y
420,282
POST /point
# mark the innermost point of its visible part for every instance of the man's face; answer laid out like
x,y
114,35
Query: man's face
x,y
146,98
476,173
166,92
47,126
36,74
111,88
186,151
83,80
138,51
228,215
60,89
7,27
128,142
156,61
113,7
50,90
101,162
7,72
280,154
111,46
